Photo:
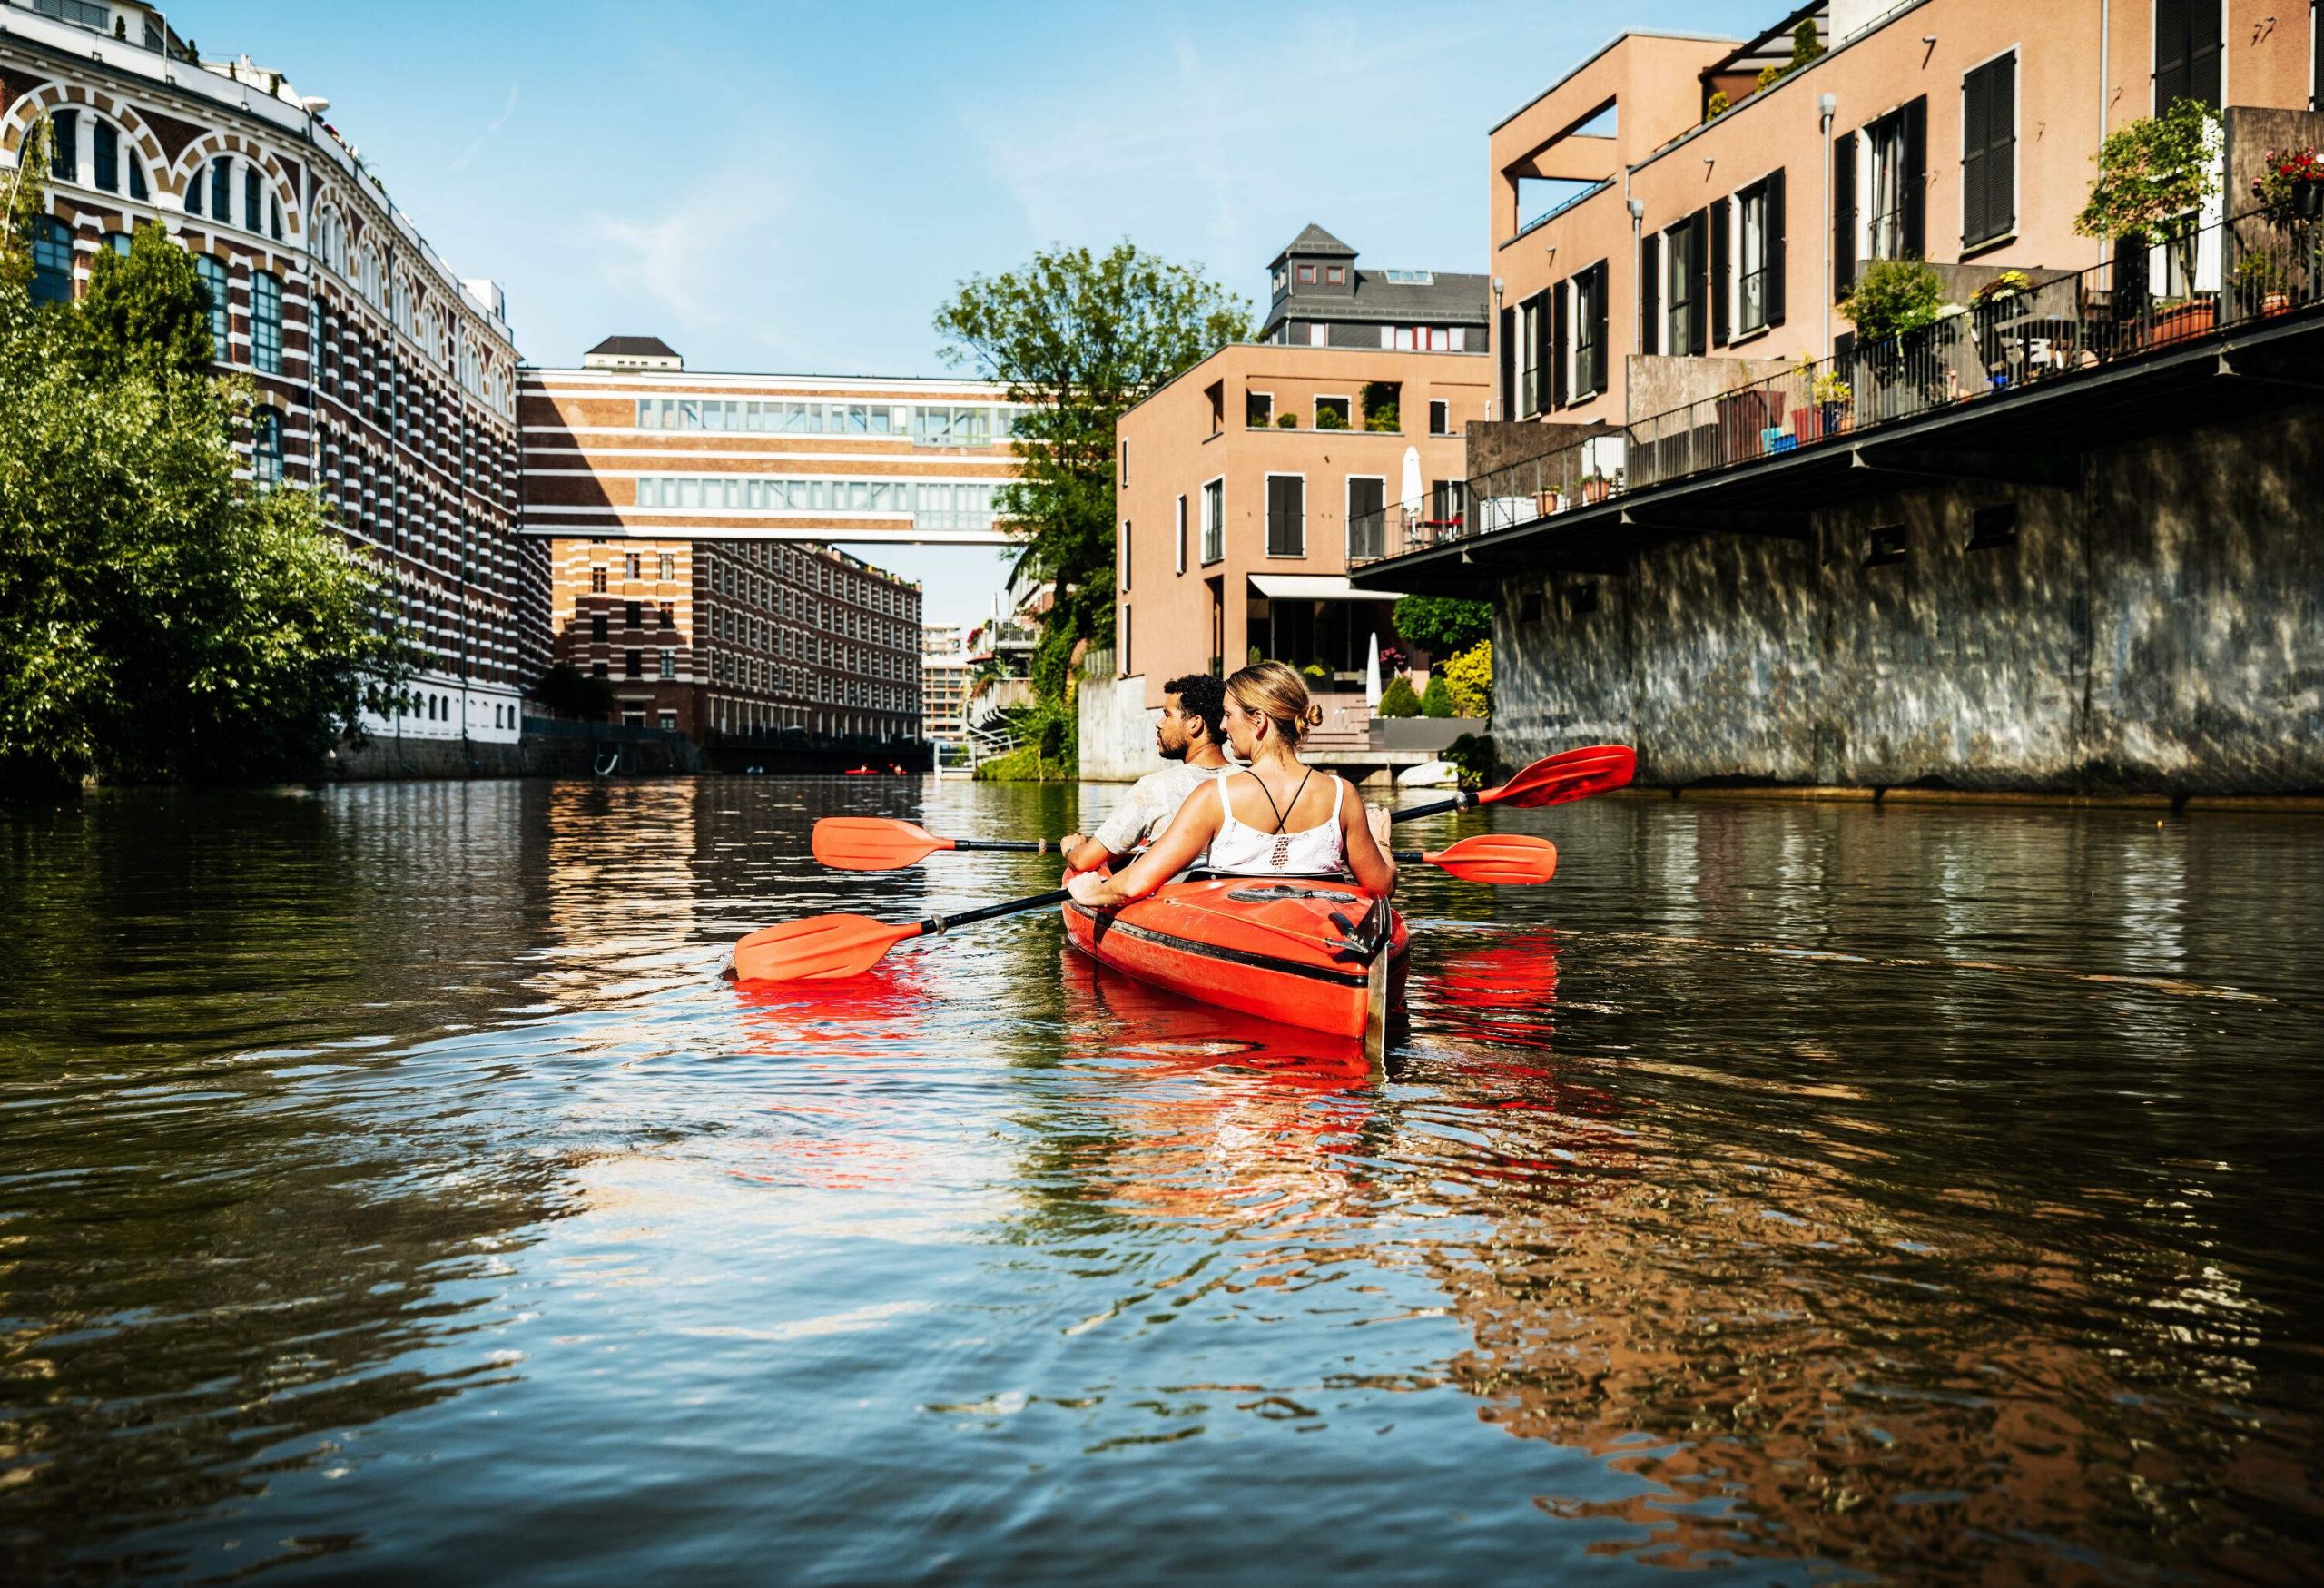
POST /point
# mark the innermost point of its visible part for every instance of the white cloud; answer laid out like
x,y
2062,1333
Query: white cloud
x,y
705,256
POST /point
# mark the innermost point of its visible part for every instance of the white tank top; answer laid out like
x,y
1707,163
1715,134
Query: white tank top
x,y
1241,850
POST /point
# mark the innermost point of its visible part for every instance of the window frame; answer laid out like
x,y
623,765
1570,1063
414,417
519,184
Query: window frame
x,y
266,322
1213,520
1439,415
222,319
56,237
1347,401
1681,314
1180,541
1349,514
1760,195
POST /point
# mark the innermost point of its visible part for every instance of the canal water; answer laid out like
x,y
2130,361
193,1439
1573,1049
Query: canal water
x,y
390,1190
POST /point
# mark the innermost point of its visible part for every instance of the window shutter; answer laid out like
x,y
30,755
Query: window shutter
x,y
1597,339
1916,238
1843,214
1509,364
1649,292
1699,261
1775,249
1559,336
2172,27
1721,273
1976,131
2203,52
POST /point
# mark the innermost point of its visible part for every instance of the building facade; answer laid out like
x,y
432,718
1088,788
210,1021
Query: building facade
x,y
1955,132
745,641
944,668
1318,297
386,383
1248,485
713,498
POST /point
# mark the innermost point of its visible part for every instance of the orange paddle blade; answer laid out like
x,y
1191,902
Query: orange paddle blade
x,y
819,946
873,843
1499,858
1569,775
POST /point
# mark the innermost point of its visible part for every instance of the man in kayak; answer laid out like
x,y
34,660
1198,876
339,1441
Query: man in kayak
x,y
1275,818
1188,737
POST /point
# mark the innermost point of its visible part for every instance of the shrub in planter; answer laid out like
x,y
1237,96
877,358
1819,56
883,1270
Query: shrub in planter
x,y
1289,421
1398,699
1330,419
1384,418
1436,700
1892,296
1468,677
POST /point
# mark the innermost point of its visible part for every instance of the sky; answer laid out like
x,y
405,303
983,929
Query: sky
x,y
795,188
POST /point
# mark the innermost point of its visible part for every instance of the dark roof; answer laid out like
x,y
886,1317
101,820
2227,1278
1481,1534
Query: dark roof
x,y
636,347
1315,239
1444,299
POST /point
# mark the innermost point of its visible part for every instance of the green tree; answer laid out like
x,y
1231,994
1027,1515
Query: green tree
x,y
159,617
1079,338
1892,296
1442,625
1436,700
2153,173
145,311
565,691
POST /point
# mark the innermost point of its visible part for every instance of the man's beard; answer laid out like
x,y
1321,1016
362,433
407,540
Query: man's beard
x,y
1176,752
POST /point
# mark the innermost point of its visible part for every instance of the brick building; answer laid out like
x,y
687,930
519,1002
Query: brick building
x,y
715,495
386,382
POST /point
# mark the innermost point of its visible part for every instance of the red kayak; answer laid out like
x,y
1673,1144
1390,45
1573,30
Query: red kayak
x,y
1306,952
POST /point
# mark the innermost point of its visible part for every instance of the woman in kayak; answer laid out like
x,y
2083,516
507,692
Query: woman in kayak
x,y
1277,818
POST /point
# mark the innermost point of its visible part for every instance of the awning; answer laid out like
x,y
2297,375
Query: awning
x,y
1317,587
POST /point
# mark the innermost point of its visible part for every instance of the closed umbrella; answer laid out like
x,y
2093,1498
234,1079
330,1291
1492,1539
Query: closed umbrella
x,y
1371,674
1412,478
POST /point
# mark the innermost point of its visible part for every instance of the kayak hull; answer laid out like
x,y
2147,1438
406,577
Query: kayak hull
x,y
1261,946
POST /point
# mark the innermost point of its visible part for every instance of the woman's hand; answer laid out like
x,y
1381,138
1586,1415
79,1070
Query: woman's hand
x,y
1380,821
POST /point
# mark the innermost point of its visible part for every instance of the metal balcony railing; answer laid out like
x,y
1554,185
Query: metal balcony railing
x,y
2052,329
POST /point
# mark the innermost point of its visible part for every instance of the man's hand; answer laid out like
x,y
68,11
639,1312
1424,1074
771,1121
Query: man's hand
x,y
1071,842
1084,887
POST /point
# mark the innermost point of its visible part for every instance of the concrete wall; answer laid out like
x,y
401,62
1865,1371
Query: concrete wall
x,y
1117,730
2161,629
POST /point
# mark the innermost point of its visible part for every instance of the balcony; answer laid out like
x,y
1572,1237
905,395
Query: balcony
x,y
2009,389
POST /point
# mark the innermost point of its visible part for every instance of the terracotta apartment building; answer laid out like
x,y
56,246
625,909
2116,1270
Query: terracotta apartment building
x,y
713,498
385,382
1960,132
1246,484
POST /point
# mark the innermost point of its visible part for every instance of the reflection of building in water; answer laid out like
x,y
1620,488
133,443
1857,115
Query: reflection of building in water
x,y
620,877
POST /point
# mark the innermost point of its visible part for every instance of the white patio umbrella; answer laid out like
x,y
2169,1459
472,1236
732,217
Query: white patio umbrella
x,y
1410,499
1371,674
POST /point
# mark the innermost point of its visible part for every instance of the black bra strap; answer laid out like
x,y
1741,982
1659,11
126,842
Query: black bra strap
x,y
1283,812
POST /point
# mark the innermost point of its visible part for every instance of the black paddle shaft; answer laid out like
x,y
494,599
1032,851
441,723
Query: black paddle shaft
x,y
936,923
1019,846
1459,801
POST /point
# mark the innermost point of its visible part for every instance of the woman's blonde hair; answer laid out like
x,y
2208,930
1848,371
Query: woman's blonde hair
x,y
1271,690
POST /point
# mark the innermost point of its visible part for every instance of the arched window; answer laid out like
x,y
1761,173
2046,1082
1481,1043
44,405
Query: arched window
x,y
266,450
212,272
266,323
221,190
64,145
52,261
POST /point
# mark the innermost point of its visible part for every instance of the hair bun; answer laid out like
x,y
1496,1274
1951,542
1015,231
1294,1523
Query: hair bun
x,y
1315,719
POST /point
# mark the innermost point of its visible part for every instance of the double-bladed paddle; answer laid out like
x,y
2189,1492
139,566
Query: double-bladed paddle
x,y
849,945
881,844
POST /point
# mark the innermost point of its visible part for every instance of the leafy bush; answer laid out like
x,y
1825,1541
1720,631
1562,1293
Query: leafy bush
x,y
1805,44
2153,172
1442,624
1469,678
1472,753
1330,419
1398,699
1288,421
1892,296
1718,105
1436,700
1769,75
1384,418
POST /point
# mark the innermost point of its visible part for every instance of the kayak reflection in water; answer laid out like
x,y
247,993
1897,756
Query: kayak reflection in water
x,y
1188,736
1275,819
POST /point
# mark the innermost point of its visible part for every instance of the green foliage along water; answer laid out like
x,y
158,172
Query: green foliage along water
x,y
160,619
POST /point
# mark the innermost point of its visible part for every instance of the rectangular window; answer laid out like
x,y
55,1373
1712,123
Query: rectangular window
x,y
1336,275
634,565
104,145
667,568
1682,249
251,215
1125,552
598,626
266,323
1340,409
1440,417
1590,333
221,190
1125,470
1893,199
1179,544
631,611
1368,519
1213,520
1756,256
598,581
669,615
65,151
1286,514
212,272
633,664
669,719
1307,275
1989,152
1319,335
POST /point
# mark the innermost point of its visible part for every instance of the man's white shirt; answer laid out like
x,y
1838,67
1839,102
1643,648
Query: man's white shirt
x,y
1151,802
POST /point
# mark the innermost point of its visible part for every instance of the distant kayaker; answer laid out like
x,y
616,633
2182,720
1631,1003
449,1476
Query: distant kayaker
x,y
1276,818
1188,736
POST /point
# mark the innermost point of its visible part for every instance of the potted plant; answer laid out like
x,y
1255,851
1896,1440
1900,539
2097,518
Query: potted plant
x,y
2290,186
2153,173
2263,281
1330,419
1833,398
1287,421
1594,488
2003,287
